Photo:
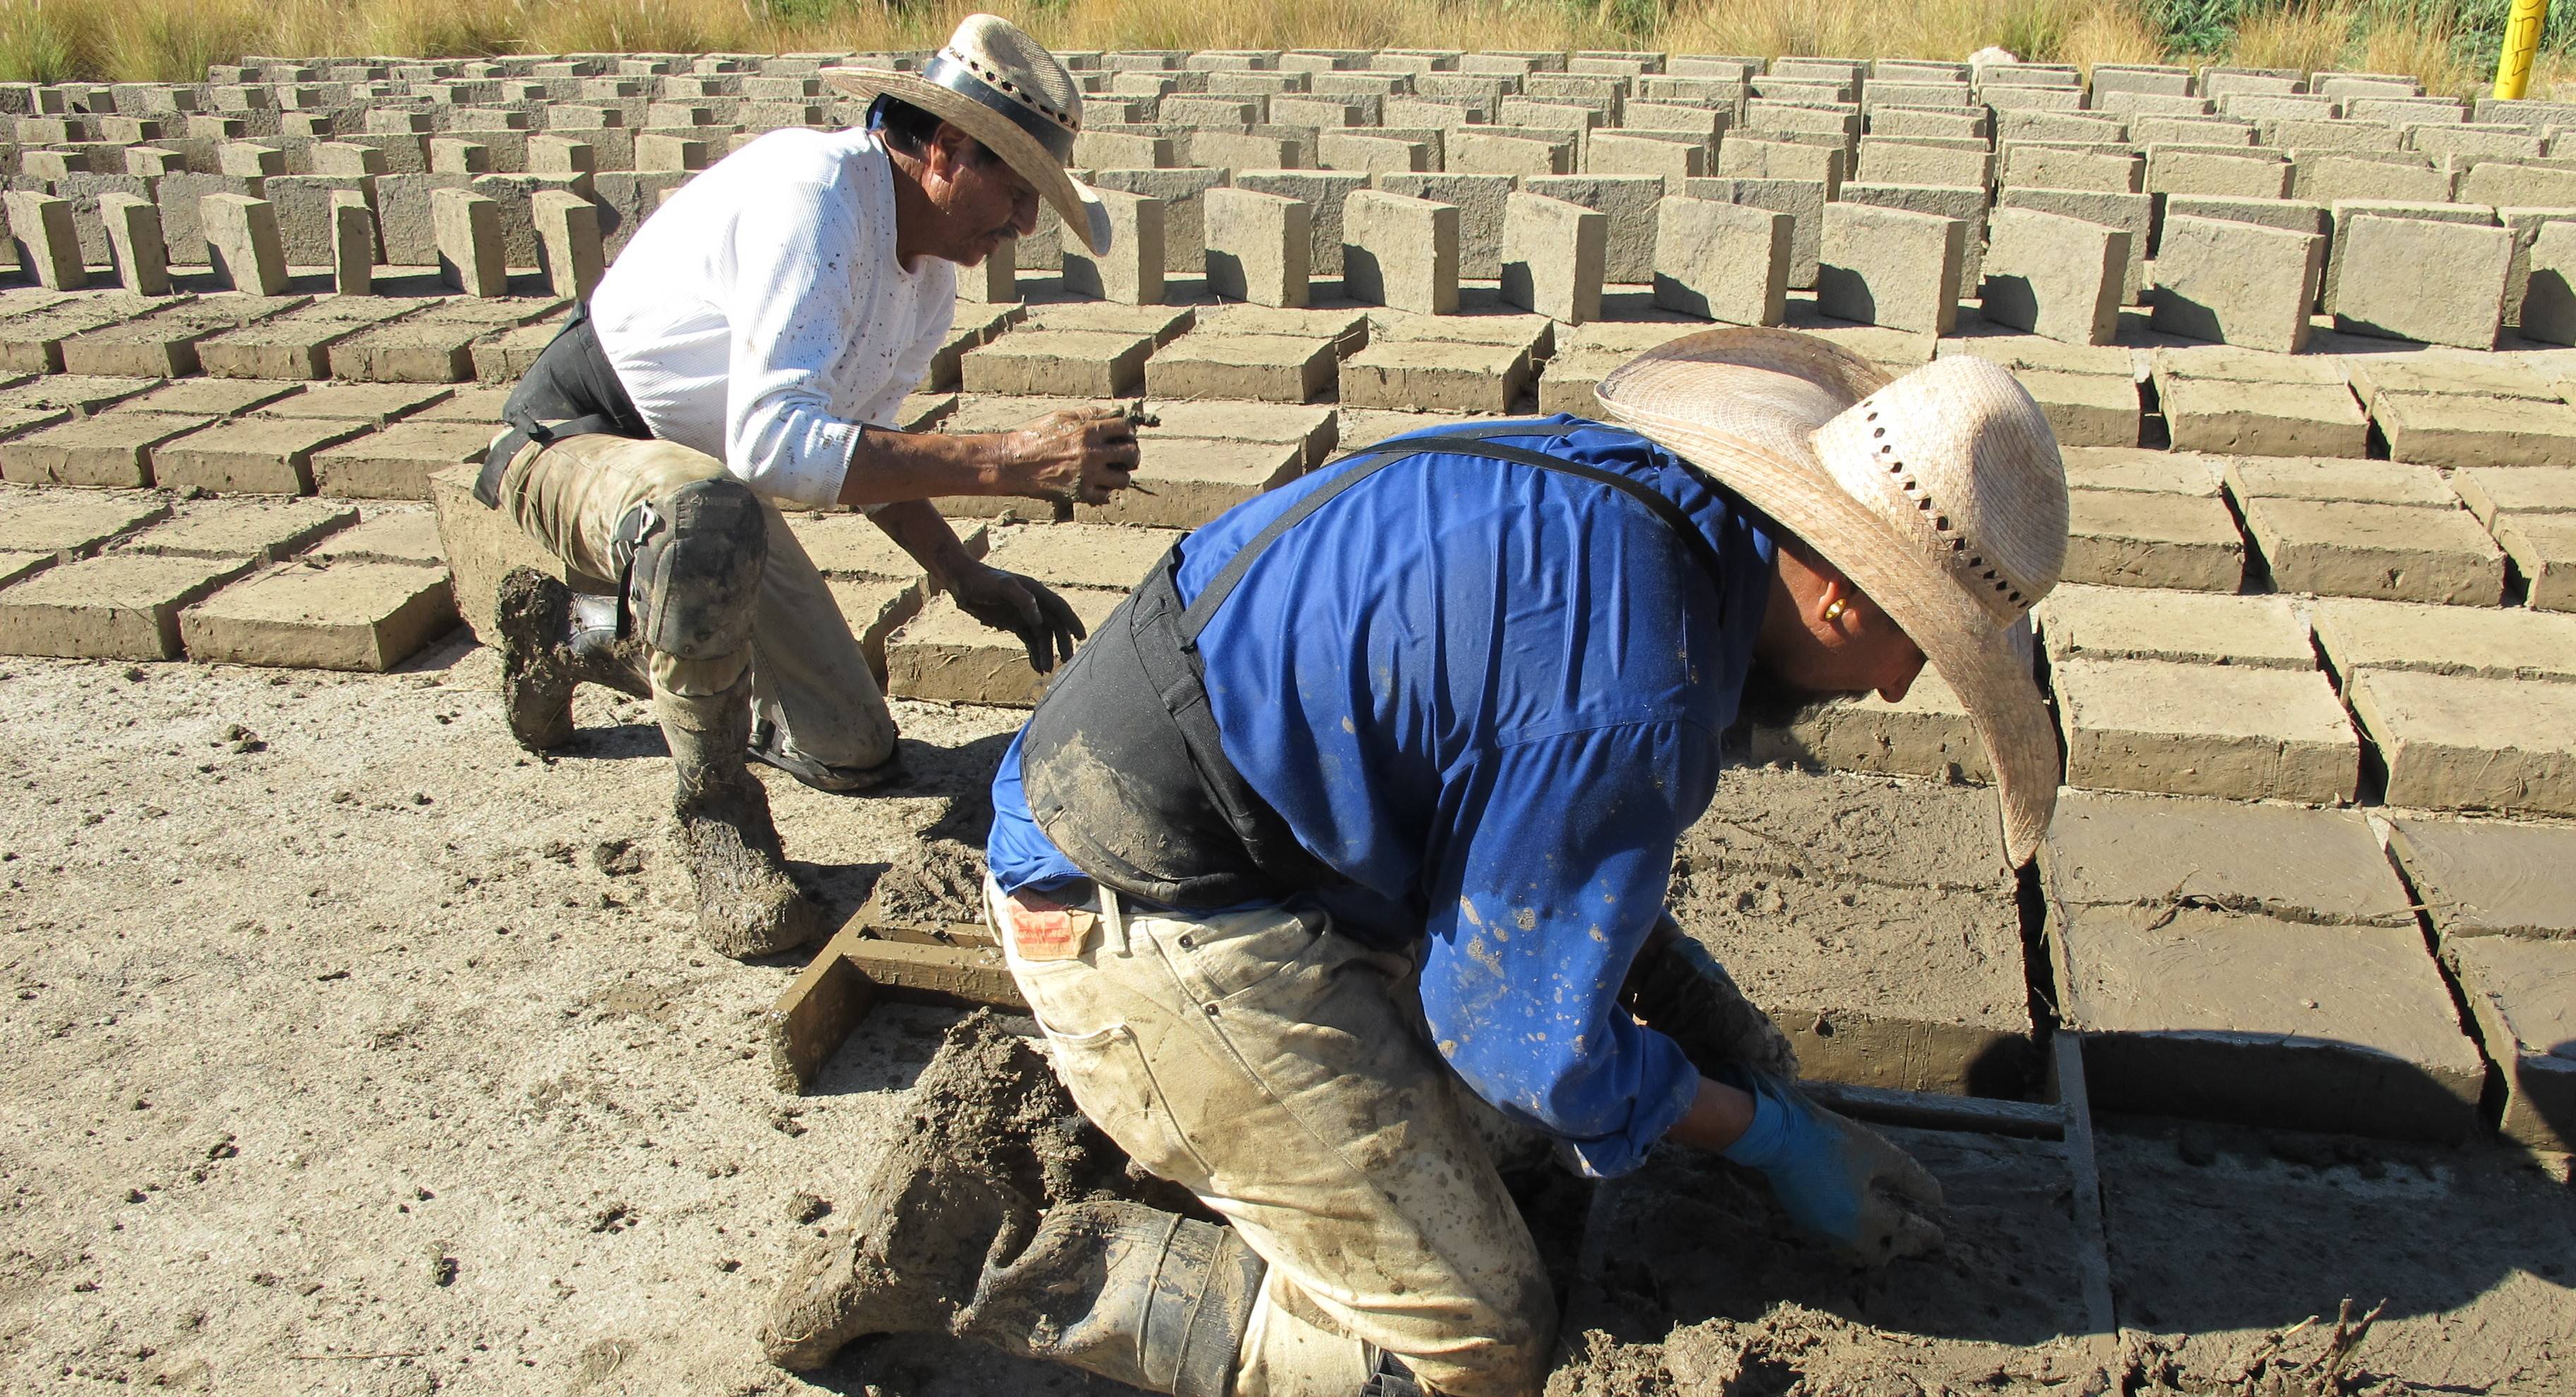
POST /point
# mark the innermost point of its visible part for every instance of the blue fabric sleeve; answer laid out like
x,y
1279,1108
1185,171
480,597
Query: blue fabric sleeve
x,y
1546,874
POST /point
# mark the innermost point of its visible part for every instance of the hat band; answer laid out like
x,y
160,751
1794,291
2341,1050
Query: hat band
x,y
958,78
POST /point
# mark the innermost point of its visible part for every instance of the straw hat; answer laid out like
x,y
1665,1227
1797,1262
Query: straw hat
x,y
998,85
1939,494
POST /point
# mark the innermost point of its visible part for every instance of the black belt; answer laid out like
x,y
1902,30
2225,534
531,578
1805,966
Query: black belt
x,y
1122,762
572,390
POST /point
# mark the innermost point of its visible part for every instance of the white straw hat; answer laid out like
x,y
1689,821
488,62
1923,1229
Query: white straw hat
x,y
1939,494
1002,87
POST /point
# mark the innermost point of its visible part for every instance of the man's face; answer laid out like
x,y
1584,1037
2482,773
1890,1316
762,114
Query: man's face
x,y
980,198
1822,639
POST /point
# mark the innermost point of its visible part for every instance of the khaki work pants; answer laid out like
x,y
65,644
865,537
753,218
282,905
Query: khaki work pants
x,y
1280,1071
809,675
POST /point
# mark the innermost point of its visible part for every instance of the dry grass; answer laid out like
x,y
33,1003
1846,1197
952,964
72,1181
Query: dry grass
x,y
174,40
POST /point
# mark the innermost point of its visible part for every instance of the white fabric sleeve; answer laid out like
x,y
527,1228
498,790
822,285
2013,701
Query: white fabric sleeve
x,y
913,365
800,280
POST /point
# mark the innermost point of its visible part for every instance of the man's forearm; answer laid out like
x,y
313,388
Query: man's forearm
x,y
888,466
918,530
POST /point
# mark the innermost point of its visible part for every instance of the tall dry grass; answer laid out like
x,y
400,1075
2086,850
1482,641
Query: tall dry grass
x,y
174,40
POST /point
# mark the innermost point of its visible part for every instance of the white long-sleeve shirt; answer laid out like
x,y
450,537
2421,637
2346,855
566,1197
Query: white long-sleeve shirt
x,y
760,315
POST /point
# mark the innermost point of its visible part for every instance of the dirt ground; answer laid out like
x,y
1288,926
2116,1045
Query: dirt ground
x,y
346,1048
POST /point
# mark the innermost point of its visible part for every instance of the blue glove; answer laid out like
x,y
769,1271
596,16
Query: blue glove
x,y
1834,1178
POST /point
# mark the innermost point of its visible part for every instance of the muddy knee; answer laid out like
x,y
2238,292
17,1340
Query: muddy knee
x,y
692,559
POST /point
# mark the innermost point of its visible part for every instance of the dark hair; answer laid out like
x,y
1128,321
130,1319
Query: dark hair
x,y
908,130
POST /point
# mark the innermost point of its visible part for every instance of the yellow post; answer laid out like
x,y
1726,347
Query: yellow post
x,y
2521,44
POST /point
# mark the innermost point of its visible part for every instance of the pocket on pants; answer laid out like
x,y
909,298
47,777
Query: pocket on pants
x,y
1113,1083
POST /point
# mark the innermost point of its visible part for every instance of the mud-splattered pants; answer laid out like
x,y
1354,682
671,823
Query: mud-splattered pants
x,y
1280,1071
810,676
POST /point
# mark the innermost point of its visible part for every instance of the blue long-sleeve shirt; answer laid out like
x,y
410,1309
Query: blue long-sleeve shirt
x,y
1490,696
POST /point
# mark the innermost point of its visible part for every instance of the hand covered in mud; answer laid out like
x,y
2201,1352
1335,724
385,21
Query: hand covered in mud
x,y
1023,606
1083,454
1681,992
1833,1177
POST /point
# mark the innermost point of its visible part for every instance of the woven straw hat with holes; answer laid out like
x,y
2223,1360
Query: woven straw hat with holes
x,y
1940,495
998,85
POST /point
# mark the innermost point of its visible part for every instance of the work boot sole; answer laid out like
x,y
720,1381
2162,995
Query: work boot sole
x,y
536,693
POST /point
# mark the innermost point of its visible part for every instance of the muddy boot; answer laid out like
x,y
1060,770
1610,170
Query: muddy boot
x,y
1135,1294
553,639
747,905
905,1265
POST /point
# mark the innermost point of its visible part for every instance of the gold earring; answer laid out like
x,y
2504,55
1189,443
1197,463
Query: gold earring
x,y
1834,609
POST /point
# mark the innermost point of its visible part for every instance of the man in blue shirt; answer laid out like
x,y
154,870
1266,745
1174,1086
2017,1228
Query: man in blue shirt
x,y
1342,851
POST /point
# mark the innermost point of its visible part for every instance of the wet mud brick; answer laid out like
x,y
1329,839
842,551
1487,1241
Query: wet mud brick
x,y
2213,730
2086,409
1903,831
2263,418
375,404
2201,1012
216,397
351,616
2127,538
385,536
2522,996
2455,742
2143,623
2251,478
481,545
165,344
119,606
2384,551
2497,491
2490,877
2543,546
67,524
396,462
1261,368
1365,427
16,566
1059,363
297,344
1927,733
33,343
262,530
250,455
1195,481
113,449
1910,988
946,655
1436,376
466,404
2498,643
2287,862
75,394
1161,324
2448,429
874,608
434,346
1082,555
848,544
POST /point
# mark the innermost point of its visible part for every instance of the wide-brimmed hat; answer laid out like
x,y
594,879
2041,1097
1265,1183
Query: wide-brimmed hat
x,y
1940,495
1002,87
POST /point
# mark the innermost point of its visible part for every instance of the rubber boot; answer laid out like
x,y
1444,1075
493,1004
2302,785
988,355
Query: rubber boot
x,y
1145,1297
553,640
1135,1294
747,905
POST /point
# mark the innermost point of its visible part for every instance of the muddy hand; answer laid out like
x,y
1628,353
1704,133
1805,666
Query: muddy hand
x,y
1681,991
1834,1177
1082,454
1023,606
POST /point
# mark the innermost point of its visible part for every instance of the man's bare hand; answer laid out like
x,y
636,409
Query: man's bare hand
x,y
1023,606
1081,454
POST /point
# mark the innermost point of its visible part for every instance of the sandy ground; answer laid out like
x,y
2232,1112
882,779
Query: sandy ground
x,y
346,1048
